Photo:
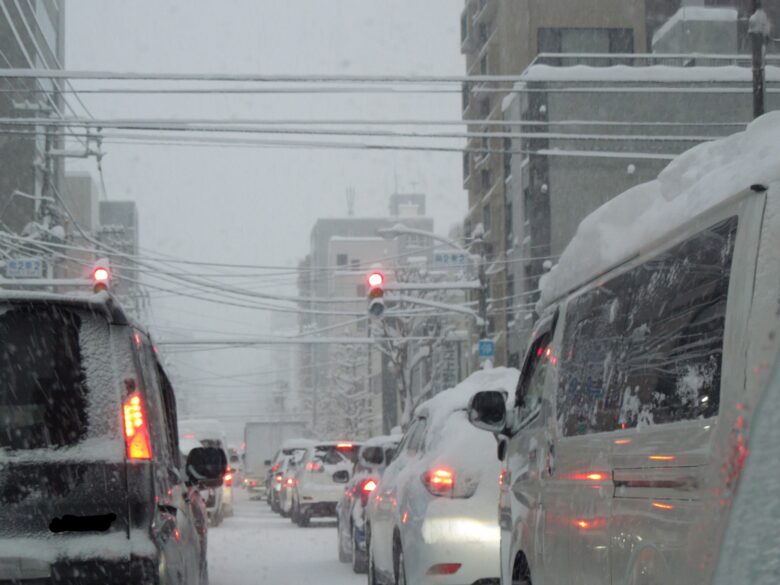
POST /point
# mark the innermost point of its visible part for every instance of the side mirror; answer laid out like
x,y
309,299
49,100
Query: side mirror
x,y
206,466
487,411
267,463
341,476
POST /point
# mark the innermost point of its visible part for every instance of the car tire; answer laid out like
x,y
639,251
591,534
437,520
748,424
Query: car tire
x,y
303,517
400,568
359,560
344,556
371,570
294,512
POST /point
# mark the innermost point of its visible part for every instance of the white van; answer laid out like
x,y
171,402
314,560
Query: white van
x,y
658,332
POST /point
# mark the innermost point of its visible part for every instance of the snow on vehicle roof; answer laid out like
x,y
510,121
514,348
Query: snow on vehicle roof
x,y
457,398
187,445
382,440
298,443
201,428
694,182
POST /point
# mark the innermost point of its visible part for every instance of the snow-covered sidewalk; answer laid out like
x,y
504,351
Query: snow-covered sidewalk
x,y
257,547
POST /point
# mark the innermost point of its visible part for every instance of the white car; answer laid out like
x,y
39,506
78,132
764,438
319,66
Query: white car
x,y
321,474
433,517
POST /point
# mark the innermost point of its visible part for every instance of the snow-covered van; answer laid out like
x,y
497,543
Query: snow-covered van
x,y
657,335
92,486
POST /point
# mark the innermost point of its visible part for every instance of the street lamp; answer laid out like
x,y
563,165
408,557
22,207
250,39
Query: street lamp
x,y
759,29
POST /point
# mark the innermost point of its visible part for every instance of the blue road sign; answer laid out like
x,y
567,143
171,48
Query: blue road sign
x,y
487,348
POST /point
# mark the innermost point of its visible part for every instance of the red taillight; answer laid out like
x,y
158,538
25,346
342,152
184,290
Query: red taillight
x,y
279,478
290,481
314,466
228,479
254,482
275,468
440,481
444,569
137,442
366,487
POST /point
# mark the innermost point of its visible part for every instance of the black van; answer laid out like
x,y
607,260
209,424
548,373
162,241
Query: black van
x,y
92,488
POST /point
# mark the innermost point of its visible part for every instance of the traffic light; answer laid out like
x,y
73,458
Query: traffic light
x,y
101,276
376,292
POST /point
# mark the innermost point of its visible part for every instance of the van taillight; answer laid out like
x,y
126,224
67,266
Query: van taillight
x,y
137,442
228,479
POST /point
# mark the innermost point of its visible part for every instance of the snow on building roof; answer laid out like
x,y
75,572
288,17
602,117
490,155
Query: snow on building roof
x,y
697,180
694,14
649,74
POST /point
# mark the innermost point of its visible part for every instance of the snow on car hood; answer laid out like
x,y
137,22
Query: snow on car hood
x,y
697,180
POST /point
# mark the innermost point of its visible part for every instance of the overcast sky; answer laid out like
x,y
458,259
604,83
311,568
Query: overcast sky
x,y
258,205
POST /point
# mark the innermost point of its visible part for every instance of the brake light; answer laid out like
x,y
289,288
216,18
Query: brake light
x,y
279,478
343,446
444,569
290,481
366,488
254,482
228,479
439,481
314,466
275,468
137,442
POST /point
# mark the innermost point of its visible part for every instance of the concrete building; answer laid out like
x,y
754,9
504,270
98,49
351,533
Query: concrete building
x,y
31,36
502,37
636,120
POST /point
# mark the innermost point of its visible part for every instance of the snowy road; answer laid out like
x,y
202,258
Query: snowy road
x,y
257,547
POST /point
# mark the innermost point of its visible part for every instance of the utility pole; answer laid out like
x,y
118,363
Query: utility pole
x,y
759,29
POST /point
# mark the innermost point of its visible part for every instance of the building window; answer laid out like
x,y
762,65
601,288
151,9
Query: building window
x,y
510,301
466,165
466,96
483,65
464,27
483,34
487,217
585,40
341,260
486,179
507,158
484,107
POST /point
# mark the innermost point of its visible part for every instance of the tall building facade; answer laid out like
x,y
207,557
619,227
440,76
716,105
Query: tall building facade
x,y
502,37
31,37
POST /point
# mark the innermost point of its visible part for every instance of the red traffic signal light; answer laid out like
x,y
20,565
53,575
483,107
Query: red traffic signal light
x,y
100,278
376,279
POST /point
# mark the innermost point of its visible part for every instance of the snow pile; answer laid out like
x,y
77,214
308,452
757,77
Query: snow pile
x,y
699,179
649,74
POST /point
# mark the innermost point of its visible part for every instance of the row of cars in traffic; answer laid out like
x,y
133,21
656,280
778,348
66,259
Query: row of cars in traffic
x,y
637,445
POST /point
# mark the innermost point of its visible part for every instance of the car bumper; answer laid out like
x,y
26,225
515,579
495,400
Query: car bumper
x,y
473,543
319,509
82,560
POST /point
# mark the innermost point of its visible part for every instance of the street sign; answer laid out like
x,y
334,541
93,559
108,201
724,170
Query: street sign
x,y
487,348
450,259
24,268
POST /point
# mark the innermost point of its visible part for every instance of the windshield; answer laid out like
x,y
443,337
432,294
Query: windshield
x,y
485,291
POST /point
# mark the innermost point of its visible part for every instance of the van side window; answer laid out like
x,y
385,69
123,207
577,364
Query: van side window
x,y
169,407
592,360
646,347
531,384
415,444
676,329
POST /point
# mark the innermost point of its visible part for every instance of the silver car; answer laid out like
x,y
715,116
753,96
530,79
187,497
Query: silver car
x,y
433,517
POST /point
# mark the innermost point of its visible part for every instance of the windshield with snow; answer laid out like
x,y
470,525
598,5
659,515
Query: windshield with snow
x,y
428,292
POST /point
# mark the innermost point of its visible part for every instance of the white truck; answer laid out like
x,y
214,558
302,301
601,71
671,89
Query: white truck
x,y
262,440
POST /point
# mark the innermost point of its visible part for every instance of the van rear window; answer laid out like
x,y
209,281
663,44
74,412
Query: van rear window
x,y
43,391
